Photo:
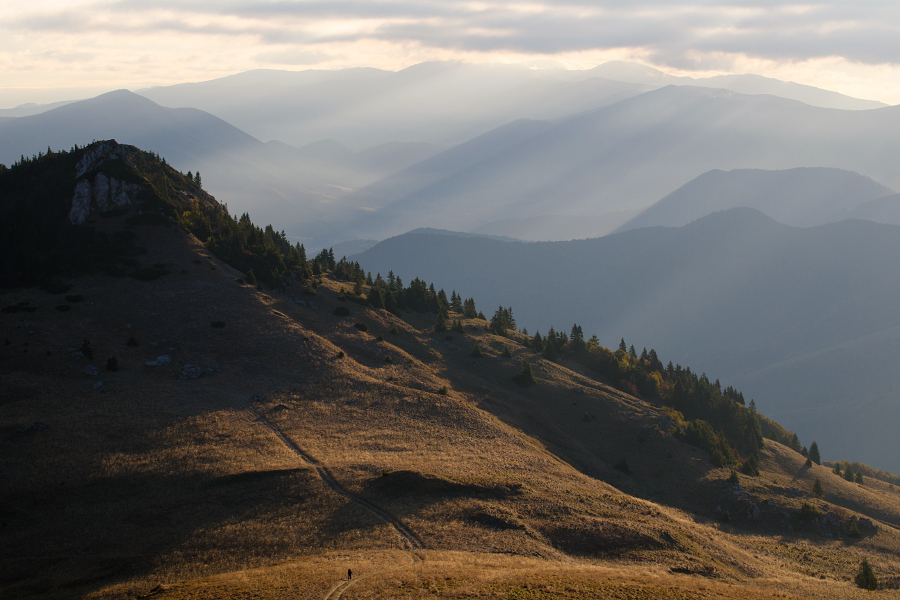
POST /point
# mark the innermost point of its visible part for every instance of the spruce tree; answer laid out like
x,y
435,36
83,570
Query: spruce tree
x,y
622,345
837,469
814,453
866,577
440,323
476,351
859,477
818,492
525,377
848,474
506,353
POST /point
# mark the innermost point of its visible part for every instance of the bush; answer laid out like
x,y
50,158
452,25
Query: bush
x,y
866,576
388,359
380,338
341,354
623,467
342,311
112,364
361,326
506,353
733,478
853,528
525,377
395,331
476,351
443,391
808,512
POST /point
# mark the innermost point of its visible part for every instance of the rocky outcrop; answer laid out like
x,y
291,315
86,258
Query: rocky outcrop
x,y
96,156
103,192
81,203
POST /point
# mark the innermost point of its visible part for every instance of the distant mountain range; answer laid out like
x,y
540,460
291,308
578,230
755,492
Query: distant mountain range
x,y
625,157
803,197
804,320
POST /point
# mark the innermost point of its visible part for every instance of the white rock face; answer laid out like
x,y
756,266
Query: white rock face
x,y
81,203
94,157
103,192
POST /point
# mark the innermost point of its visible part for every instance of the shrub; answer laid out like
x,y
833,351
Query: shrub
x,y
341,354
132,342
310,290
458,327
443,391
808,512
112,364
853,528
388,359
733,478
866,576
506,353
342,311
476,351
218,324
380,338
623,467
525,377
361,326
395,331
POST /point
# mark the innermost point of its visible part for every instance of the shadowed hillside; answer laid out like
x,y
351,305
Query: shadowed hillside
x,y
195,435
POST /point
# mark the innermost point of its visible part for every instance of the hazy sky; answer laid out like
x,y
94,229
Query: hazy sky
x,y
96,45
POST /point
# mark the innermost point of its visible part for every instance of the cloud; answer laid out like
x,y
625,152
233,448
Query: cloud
x,y
682,36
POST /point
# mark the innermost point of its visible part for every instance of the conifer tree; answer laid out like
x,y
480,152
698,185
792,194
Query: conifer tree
x,y
440,322
632,353
865,578
859,477
814,453
622,346
837,469
849,475
197,180
506,353
818,492
369,278
525,377
476,351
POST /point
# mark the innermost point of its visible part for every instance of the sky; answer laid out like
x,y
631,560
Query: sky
x,y
54,50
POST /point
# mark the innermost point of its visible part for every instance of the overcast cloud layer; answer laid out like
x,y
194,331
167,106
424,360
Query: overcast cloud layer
x,y
851,47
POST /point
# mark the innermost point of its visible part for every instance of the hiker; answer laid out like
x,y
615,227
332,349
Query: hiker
x,y
349,574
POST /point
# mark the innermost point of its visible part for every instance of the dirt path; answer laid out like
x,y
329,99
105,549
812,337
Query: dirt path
x,y
337,592
411,539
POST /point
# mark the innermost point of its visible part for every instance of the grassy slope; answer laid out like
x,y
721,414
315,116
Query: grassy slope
x,y
151,478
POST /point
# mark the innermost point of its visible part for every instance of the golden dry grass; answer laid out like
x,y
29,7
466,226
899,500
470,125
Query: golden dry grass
x,y
153,479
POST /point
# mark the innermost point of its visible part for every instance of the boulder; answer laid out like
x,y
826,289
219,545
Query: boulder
x,y
91,370
190,372
161,361
753,513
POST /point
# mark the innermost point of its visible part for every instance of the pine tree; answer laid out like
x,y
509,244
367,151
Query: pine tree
x,y
632,353
814,453
440,322
866,577
818,492
197,180
525,377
